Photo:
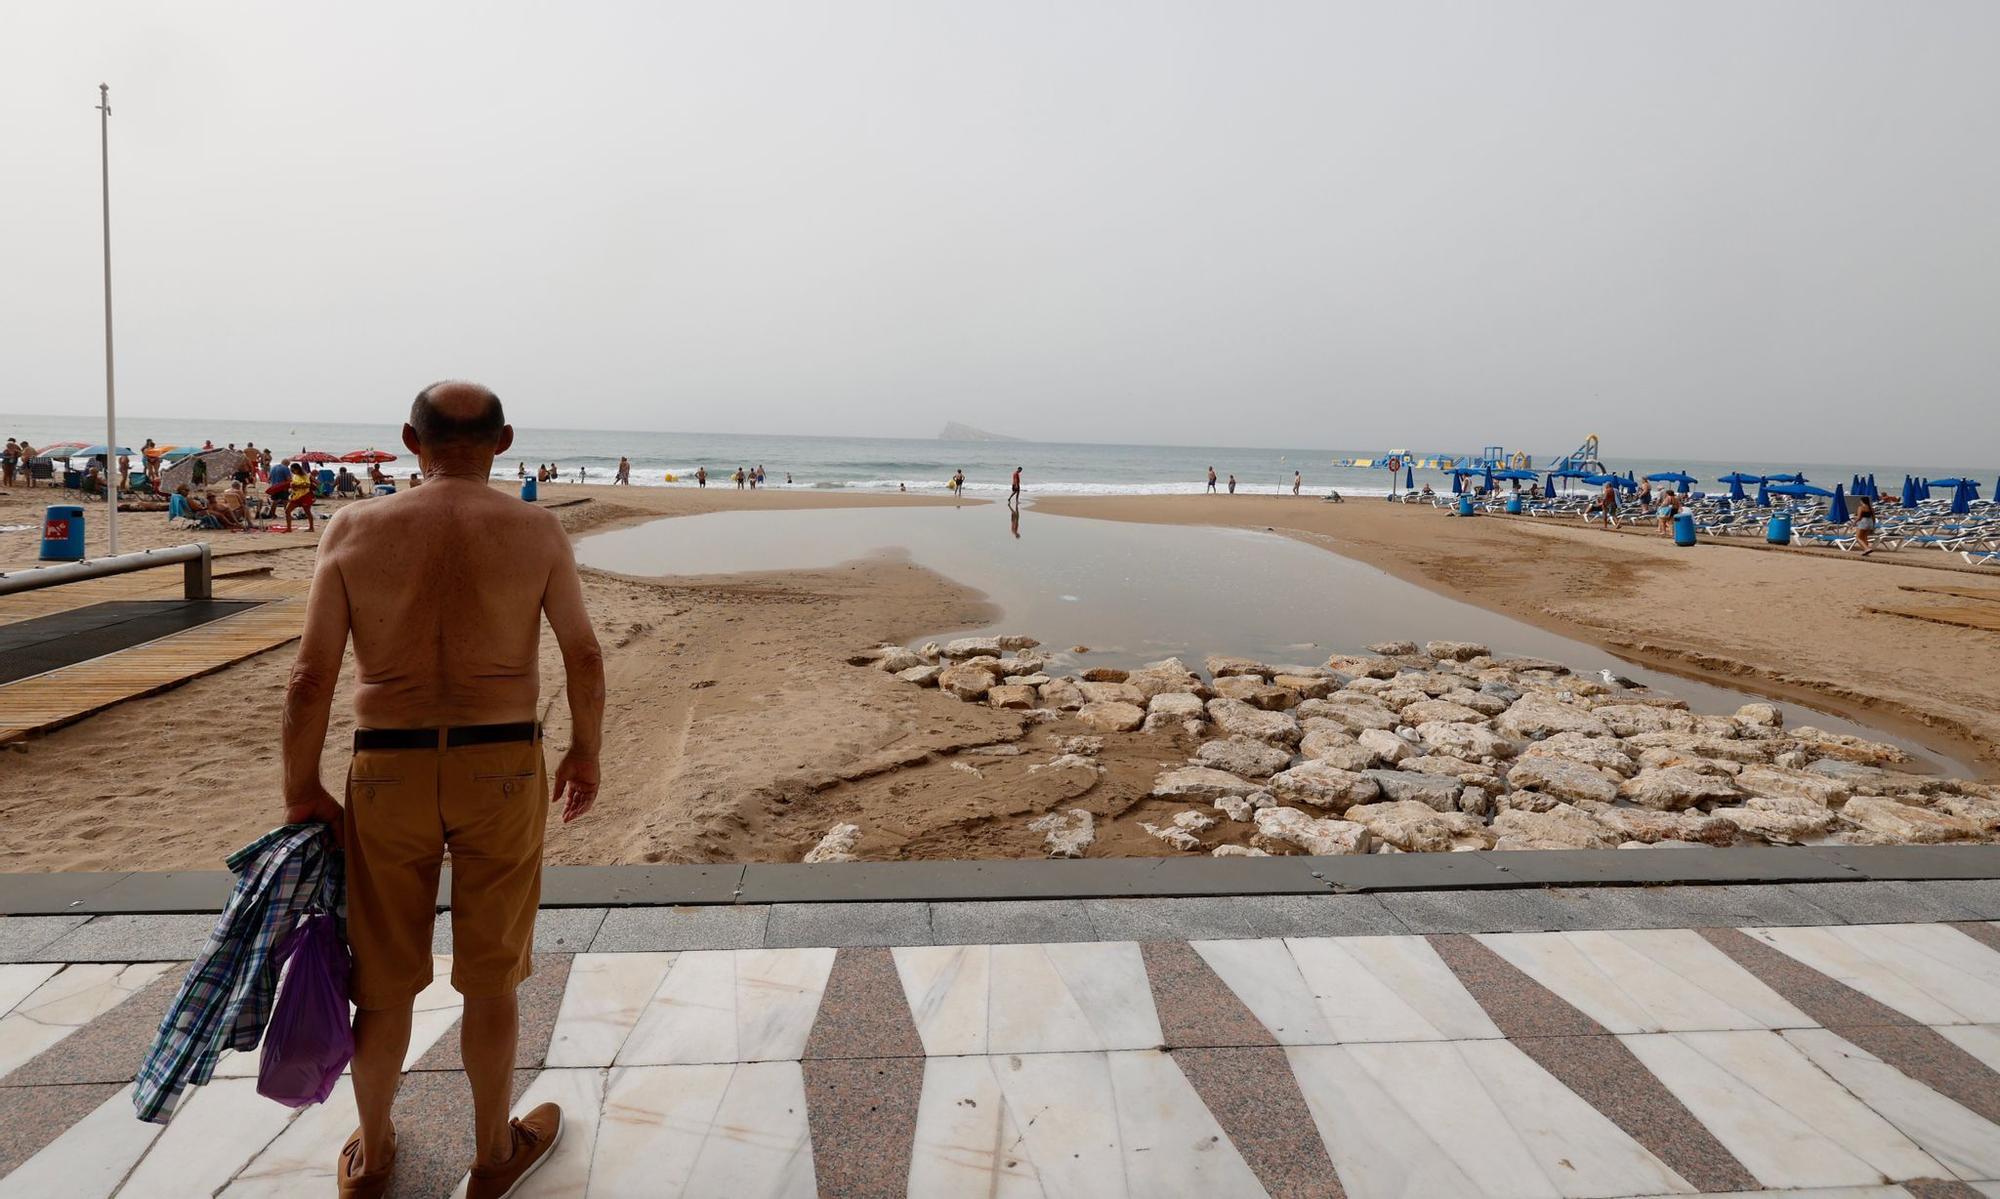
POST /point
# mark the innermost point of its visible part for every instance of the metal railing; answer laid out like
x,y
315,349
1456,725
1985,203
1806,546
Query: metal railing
x,y
195,556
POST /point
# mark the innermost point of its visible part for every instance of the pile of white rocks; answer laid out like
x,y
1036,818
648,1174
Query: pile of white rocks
x,y
1446,747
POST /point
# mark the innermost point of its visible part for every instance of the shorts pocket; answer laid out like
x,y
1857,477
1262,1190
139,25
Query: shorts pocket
x,y
503,776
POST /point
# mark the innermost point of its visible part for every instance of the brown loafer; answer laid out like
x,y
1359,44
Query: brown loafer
x,y
354,1184
535,1137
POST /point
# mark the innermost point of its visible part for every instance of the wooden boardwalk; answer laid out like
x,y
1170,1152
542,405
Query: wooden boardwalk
x,y
63,696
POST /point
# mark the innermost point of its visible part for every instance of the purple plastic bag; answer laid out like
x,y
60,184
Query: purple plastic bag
x,y
310,1038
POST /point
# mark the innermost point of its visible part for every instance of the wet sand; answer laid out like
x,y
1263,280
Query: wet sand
x,y
1806,625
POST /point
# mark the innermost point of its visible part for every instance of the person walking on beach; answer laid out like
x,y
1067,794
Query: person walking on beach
x,y
1609,503
1211,481
956,484
9,459
447,758
1864,525
1296,480
1670,507
1014,492
624,471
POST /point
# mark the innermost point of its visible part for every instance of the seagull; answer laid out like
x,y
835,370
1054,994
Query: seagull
x,y
1617,680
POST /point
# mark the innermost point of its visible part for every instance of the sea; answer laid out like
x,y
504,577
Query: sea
x,y
887,464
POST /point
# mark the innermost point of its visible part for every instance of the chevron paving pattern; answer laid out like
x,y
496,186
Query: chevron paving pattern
x,y
1860,1060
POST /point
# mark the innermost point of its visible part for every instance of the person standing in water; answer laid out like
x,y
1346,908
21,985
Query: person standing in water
x,y
1232,484
1211,481
1014,493
624,474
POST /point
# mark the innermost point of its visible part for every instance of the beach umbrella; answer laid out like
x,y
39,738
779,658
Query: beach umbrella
x,y
1909,491
1457,482
1489,476
1792,478
1836,512
1800,490
99,451
1960,499
60,449
367,456
1763,494
1409,479
1550,486
157,451
314,456
1670,476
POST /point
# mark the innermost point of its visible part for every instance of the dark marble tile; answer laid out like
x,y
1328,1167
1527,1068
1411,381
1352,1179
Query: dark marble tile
x,y
1611,1079
1984,932
1519,1006
109,1048
1828,1001
863,1013
31,1117
1254,1097
1941,1188
433,1120
863,1117
1196,1008
538,1000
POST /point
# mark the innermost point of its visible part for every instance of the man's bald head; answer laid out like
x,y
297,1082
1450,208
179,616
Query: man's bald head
x,y
456,414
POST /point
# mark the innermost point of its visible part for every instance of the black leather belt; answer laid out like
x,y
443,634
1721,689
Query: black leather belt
x,y
454,738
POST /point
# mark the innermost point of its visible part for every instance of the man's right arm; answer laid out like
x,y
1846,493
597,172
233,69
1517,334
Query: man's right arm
x,y
309,691
583,663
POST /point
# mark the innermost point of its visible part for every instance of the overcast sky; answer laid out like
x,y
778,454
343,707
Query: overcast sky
x,y
1685,226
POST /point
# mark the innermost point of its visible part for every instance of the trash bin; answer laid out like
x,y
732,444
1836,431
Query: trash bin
x,y
1684,529
62,533
529,490
1465,505
1513,505
1779,531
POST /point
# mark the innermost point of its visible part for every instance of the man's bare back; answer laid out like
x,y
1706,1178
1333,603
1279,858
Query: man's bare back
x,y
445,588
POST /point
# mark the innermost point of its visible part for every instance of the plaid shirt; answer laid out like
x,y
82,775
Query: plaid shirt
x,y
226,999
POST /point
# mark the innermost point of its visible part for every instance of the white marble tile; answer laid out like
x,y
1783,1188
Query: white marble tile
x,y
1501,1120
731,1005
1264,975
1656,980
1959,971
217,1131
946,988
1382,1150
1980,1040
1070,998
1786,1121
566,1174
1874,1192
1834,955
88,1159
602,1002
68,1000
1170,1142
1989,1189
1067,1113
437,1007
304,1158
729,1130
1968,1145
19,982
966,1141
1387,989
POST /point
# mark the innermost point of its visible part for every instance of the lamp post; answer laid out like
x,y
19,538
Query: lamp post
x,y
110,386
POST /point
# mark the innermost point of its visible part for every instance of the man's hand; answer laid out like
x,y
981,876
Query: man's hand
x,y
576,780
318,805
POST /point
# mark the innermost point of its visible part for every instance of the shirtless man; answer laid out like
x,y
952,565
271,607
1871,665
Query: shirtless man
x,y
443,589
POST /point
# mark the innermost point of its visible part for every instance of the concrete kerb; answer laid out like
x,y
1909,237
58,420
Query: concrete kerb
x,y
1090,879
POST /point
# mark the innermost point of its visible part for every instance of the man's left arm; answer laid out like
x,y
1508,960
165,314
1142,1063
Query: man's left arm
x,y
309,691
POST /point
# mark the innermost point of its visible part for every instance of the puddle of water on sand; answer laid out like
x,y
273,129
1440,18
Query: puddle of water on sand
x,y
1135,593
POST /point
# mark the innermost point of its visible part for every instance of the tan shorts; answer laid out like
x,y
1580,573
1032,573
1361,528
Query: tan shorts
x,y
487,805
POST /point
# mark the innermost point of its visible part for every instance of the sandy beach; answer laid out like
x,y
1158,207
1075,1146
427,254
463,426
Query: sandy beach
x,y
737,731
